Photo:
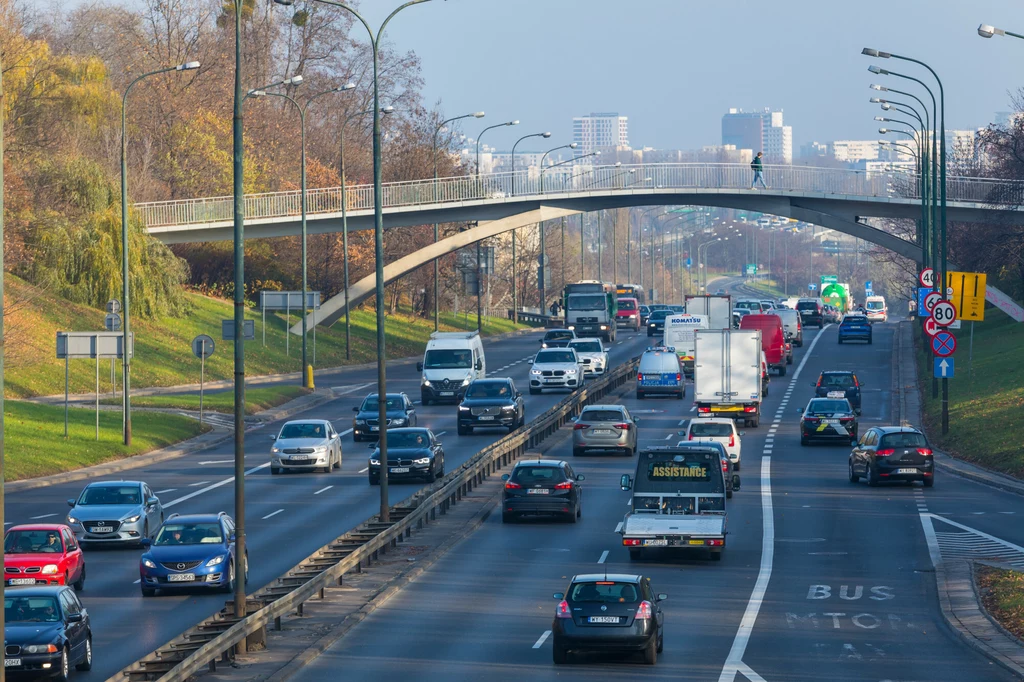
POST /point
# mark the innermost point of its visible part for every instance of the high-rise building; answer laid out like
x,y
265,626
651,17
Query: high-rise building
x,y
600,131
759,131
855,150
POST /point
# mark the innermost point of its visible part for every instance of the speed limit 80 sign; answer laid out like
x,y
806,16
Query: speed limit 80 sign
x,y
944,313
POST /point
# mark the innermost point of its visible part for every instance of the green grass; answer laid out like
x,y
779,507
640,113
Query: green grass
x,y
163,355
985,405
769,287
34,437
256,399
1002,593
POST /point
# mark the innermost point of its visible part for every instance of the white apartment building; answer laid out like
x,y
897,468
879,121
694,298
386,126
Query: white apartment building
x,y
600,130
852,151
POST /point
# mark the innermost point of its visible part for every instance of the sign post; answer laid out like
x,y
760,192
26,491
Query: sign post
x,y
93,345
202,348
943,345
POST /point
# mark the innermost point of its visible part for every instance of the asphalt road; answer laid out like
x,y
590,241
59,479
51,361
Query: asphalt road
x,y
288,517
838,584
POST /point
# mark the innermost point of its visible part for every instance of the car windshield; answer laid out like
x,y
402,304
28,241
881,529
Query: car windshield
x,y
704,430
587,346
602,416
488,389
447,358
560,335
550,356
302,430
32,542
531,476
837,381
903,440
876,305
605,592
626,304
827,406
587,302
408,439
201,533
644,309
110,494
371,404
660,314
31,610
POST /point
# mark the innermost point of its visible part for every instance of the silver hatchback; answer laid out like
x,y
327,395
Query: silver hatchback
x,y
605,427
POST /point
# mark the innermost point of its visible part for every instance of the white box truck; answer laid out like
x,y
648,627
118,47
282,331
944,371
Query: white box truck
x,y
718,310
727,374
680,334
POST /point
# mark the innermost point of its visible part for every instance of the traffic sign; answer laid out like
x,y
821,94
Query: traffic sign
x,y
943,368
930,328
927,278
944,313
943,344
113,306
930,300
869,288
812,287
966,290
202,346
112,322
922,292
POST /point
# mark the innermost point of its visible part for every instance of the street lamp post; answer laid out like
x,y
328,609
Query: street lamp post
x,y
476,114
572,145
515,290
478,138
542,283
125,326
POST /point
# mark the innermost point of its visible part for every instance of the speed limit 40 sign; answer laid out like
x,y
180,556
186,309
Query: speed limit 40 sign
x,y
927,277
944,313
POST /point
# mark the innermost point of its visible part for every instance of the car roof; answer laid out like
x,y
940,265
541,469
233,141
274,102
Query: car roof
x,y
37,526
305,421
368,395
711,420
540,462
617,577
560,329
408,429
100,484
584,338
694,445
37,591
837,371
195,518
897,429
489,380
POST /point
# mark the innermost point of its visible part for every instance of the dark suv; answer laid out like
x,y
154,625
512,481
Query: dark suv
x,y
542,486
491,403
366,423
557,338
836,384
811,312
893,453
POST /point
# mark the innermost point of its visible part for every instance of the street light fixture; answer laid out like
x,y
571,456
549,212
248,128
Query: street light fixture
x,y
478,137
986,31
125,362
513,156
515,297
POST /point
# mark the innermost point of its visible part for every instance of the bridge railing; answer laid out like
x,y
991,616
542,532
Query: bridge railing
x,y
581,179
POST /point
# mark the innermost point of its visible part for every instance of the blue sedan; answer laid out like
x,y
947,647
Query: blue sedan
x,y
855,328
191,552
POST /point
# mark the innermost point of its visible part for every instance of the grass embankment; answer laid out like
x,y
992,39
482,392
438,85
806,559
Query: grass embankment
x,y
985,405
1002,593
768,287
163,355
257,399
35,444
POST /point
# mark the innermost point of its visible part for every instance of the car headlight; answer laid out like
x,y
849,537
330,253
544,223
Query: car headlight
x,y
274,450
41,649
508,408
425,383
374,462
535,372
320,450
571,327
50,569
132,519
398,422
148,563
651,324
463,408
465,382
72,519
543,345
421,460
361,422
570,371
217,560
603,327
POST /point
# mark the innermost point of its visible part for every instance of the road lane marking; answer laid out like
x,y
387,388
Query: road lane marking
x,y
272,514
323,490
543,638
693,409
208,488
197,484
364,470
439,433
342,434
629,502
168,490
137,581
338,390
668,437
217,461
604,555
44,516
618,528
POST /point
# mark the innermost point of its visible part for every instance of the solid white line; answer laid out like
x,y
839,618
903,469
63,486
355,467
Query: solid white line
x,y
618,528
323,490
9,523
197,484
272,514
543,638
604,555
169,490
746,671
364,470
682,421
349,389
44,516
929,536
629,502
208,488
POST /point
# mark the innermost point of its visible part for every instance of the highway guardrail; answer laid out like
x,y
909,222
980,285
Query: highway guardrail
x,y
219,636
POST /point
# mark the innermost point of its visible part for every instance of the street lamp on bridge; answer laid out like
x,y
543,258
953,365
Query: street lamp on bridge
x,y
542,283
515,292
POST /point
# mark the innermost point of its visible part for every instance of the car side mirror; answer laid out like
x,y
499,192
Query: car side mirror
x,y
71,502
581,477
742,433
479,364
505,477
799,409
232,538
419,366
814,385
74,618
355,409
559,596
636,420
625,482
661,597
735,481
145,542
152,502
272,437
861,383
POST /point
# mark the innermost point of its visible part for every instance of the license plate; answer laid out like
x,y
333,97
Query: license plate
x,y
656,543
181,577
22,581
898,471
729,408
399,470
299,460
375,428
829,421
602,432
486,418
446,394
696,542
837,394
554,381
12,662
102,529
603,619
537,491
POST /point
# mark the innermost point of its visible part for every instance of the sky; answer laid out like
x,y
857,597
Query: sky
x,y
675,66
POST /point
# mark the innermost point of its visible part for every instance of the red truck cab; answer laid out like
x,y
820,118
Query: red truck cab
x,y
628,314
773,340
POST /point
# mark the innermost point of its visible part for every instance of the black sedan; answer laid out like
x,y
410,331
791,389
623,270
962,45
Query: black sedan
x,y
608,612
412,454
893,453
828,419
366,423
542,486
557,338
491,403
46,631
656,322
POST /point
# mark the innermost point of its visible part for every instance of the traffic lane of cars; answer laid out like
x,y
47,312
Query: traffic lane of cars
x,y
851,595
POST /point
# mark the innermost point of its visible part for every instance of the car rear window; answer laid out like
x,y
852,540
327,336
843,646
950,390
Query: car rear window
x,y
605,592
660,314
837,380
828,406
807,305
701,429
903,440
559,335
601,416
537,475
855,319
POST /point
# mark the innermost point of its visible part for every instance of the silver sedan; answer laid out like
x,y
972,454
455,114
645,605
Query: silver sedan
x,y
115,512
605,427
306,445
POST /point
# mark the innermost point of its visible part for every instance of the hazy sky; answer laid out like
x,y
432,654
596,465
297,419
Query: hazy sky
x,y
675,66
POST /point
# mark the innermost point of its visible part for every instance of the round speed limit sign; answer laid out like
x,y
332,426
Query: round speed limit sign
x,y
931,300
944,313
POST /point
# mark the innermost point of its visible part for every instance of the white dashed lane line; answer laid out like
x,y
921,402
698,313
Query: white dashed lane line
x,y
197,484
323,490
44,516
604,555
275,513
168,490
543,638
364,470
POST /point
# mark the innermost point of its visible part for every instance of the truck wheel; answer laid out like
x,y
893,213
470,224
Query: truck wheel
x,y
716,556
634,555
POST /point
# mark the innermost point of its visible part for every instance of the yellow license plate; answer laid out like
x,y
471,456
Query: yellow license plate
x,y
732,408
696,542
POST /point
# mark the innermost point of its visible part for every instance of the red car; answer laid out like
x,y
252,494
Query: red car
x,y
43,554
628,313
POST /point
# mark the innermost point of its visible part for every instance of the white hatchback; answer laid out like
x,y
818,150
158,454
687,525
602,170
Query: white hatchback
x,y
720,431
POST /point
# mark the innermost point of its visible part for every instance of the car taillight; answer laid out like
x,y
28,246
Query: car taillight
x,y
580,426
639,376
845,420
644,611
819,383
885,452
624,427
704,409
564,485
725,465
924,451
855,382
690,437
512,486
679,377
811,420
732,441
562,610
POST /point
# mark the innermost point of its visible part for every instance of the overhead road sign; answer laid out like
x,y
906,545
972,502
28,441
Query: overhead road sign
x,y
927,278
943,344
944,313
943,368
966,291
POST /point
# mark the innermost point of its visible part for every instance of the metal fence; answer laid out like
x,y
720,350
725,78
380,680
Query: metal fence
x,y
216,638
528,182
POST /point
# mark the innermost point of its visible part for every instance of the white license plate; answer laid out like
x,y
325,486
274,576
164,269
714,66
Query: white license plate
x,y
102,529
22,581
299,460
829,421
906,471
602,432
486,418
446,394
399,470
12,662
837,394
537,491
603,619
375,428
656,543
554,381
181,578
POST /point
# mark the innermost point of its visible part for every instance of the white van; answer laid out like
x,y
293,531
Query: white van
x,y
876,310
450,362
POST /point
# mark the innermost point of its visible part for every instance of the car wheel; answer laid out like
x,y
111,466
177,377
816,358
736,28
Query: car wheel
x,y
356,438
64,672
80,583
275,471
854,477
577,452
513,427
728,493
506,517
534,391
736,465
661,643
869,340
634,554
682,394
789,359
148,591
462,431
840,342
374,480
651,651
573,515
432,476
872,476
427,402
782,371
86,662
929,482
639,395
229,587
803,440
559,655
